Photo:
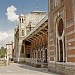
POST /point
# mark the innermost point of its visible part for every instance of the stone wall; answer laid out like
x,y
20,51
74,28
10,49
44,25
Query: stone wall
x,y
63,69
66,11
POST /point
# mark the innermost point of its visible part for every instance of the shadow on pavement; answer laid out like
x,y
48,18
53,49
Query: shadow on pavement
x,y
44,70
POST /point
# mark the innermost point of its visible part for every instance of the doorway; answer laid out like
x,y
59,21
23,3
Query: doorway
x,y
45,55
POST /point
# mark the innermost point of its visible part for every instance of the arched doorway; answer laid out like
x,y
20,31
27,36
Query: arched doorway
x,y
45,55
22,49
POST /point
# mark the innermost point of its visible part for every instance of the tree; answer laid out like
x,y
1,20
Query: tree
x,y
2,52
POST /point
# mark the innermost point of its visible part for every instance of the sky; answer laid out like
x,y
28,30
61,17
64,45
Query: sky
x,y
9,12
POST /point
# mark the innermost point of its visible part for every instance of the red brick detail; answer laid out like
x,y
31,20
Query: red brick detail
x,y
51,42
28,49
68,5
51,58
51,47
70,36
69,29
72,51
71,59
51,23
51,36
51,53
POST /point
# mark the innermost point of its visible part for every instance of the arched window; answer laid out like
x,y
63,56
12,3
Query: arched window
x,y
22,32
22,49
22,20
61,52
60,27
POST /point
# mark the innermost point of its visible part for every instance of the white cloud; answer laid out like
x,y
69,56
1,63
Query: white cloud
x,y
11,13
5,37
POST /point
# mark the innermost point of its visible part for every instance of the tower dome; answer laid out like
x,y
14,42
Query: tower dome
x,y
22,18
22,14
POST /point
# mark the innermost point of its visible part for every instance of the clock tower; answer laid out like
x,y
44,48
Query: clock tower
x,y
22,26
22,34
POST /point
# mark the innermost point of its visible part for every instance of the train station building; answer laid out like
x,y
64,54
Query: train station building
x,y
51,42
61,36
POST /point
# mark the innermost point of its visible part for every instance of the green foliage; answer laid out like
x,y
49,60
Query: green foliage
x,y
2,52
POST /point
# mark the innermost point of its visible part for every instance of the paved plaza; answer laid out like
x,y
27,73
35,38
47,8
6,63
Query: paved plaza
x,y
22,69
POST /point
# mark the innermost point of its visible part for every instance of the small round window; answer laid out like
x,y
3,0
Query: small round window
x,y
60,27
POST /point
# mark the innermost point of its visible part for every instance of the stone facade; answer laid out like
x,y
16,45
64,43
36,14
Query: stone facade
x,y
36,44
52,41
33,18
61,36
25,25
9,51
19,34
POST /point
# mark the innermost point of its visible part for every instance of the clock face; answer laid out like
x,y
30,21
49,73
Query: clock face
x,y
22,26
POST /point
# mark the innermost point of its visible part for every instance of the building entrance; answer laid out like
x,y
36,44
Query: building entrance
x,y
46,56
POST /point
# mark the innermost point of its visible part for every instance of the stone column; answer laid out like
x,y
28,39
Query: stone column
x,y
36,55
40,55
43,54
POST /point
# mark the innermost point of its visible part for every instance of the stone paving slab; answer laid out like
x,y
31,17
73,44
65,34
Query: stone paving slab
x,y
22,69
24,74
